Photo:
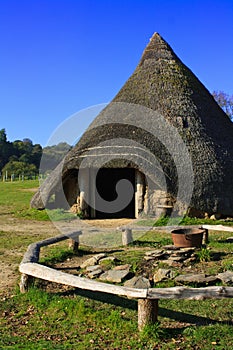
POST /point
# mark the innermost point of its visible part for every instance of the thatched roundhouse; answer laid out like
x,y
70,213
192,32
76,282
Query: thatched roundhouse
x,y
165,134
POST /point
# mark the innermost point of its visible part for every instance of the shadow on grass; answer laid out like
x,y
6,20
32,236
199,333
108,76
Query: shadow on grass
x,y
83,251
150,244
228,240
133,305
189,318
216,256
61,257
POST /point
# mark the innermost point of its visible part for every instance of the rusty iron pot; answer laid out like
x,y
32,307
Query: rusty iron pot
x,y
187,237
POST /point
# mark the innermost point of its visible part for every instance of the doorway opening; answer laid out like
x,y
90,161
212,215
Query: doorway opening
x,y
106,181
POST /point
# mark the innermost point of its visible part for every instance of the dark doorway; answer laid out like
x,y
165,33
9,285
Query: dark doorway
x,y
106,181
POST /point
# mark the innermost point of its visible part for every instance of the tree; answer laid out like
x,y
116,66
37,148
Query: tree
x,y
19,168
6,148
36,155
225,101
23,151
3,135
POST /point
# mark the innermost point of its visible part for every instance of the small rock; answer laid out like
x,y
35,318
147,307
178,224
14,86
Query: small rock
x,y
169,262
116,276
177,258
190,261
138,282
154,252
190,278
163,274
100,256
89,262
108,258
93,260
122,267
148,258
211,280
170,247
95,273
187,250
200,278
226,277
215,216
92,268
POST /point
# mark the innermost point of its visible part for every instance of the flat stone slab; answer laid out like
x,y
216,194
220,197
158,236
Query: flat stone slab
x,y
177,258
200,278
184,253
139,282
108,258
154,252
188,250
116,276
93,268
93,260
170,262
163,274
148,258
122,267
170,247
226,277
96,273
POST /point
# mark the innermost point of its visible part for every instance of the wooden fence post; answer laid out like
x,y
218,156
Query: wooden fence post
x,y
25,282
147,312
74,245
127,236
74,242
206,236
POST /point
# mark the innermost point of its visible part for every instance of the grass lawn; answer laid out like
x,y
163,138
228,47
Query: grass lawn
x,y
15,199
56,317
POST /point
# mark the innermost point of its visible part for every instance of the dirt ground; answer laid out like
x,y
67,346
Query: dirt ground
x,y
9,275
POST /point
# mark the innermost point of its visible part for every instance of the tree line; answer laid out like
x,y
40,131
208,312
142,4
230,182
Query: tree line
x,y
23,158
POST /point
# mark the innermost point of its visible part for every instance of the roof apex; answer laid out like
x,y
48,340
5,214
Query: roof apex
x,y
156,49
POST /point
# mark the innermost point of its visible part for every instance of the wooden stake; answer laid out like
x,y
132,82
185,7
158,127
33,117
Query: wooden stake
x,y
147,312
127,236
25,282
206,236
74,245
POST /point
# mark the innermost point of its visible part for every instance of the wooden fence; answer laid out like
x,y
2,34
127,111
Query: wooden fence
x,y
147,298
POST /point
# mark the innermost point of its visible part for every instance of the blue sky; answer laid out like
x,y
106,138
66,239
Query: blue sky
x,y
58,57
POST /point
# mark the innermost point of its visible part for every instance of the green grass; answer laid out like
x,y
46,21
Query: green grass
x,y
65,318
164,220
42,320
15,200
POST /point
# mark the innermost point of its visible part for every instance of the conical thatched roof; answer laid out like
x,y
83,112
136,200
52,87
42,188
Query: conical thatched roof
x,y
162,83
